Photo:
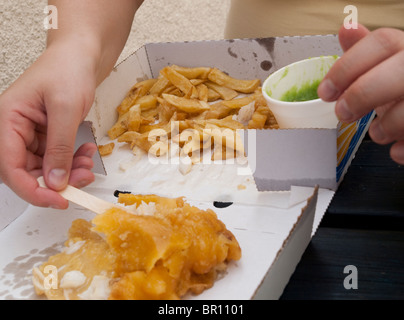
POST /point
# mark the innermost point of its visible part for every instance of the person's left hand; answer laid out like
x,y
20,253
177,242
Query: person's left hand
x,y
39,117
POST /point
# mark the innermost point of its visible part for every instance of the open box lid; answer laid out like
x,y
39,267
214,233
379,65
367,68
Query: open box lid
x,y
280,158
273,230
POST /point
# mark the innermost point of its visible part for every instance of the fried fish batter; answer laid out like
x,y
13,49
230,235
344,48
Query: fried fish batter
x,y
167,250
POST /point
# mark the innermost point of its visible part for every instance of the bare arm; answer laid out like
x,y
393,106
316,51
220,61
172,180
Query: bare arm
x,y
40,113
103,24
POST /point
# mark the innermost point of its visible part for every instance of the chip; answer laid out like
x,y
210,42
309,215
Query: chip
x,y
106,149
222,79
201,103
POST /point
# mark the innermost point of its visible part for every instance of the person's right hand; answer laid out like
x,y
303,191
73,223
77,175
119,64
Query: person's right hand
x,y
370,76
39,117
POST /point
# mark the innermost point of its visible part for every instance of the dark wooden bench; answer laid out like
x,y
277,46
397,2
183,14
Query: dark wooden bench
x,y
363,227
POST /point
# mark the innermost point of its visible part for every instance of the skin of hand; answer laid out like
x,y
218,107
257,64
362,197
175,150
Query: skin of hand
x,y
39,114
370,76
42,110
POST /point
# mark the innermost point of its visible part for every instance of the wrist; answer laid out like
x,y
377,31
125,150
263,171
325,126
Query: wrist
x,y
83,50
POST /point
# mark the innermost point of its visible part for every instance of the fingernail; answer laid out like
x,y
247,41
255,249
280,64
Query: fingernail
x,y
91,153
343,112
378,133
57,178
327,90
82,183
54,206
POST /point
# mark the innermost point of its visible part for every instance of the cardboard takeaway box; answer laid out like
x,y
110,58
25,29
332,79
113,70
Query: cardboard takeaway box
x,y
300,170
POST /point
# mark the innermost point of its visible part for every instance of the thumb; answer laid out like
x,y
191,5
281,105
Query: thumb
x,y
61,136
348,37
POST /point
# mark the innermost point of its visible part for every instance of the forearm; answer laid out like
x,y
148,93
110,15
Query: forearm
x,y
98,27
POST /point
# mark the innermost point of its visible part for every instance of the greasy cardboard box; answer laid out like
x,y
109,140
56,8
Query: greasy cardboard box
x,y
295,168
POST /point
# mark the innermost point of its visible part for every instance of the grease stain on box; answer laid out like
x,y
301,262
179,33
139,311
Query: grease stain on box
x,y
17,275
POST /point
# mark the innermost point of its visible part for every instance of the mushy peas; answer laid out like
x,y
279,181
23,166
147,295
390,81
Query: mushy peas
x,y
308,91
